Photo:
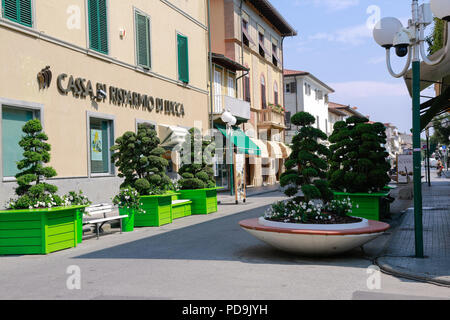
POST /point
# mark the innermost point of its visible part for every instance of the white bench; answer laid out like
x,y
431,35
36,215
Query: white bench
x,y
103,208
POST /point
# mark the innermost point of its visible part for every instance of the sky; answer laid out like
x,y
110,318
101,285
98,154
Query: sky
x,y
336,45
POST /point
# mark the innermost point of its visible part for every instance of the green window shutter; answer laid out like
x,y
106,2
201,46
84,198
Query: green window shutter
x,y
183,59
20,11
143,40
98,25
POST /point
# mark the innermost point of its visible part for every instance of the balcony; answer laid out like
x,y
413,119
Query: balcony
x,y
238,108
270,118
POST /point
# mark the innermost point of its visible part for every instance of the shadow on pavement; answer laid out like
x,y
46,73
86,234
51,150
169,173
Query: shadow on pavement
x,y
220,239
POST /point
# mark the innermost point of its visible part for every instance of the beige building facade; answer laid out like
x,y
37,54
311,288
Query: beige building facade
x,y
113,65
250,34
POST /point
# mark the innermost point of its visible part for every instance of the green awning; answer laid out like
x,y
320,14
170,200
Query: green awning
x,y
434,107
239,139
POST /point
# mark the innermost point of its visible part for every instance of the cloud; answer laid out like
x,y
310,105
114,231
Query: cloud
x,y
330,5
369,89
354,35
377,60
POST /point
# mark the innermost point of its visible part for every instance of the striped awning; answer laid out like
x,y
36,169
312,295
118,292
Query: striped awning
x,y
286,151
262,146
274,150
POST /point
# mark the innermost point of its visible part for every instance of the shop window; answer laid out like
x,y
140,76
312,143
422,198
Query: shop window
x,y
20,11
13,120
98,25
183,58
143,40
101,140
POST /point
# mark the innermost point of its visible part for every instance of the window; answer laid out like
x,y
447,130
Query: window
x,y
13,119
262,50
245,35
101,139
275,59
318,122
319,94
263,93
183,58
287,119
326,126
326,99
98,25
20,11
231,86
218,106
275,93
247,88
307,89
291,87
143,40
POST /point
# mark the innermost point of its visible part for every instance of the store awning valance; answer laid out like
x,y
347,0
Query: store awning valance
x,y
434,107
240,140
286,151
274,150
262,146
171,136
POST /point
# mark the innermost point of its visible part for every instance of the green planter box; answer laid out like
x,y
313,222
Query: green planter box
x,y
370,205
40,231
181,210
204,201
127,223
157,211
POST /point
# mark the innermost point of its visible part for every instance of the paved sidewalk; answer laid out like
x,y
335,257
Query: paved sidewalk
x,y
399,259
224,197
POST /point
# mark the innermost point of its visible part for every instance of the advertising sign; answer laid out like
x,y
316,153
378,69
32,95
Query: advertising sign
x,y
239,177
96,145
405,168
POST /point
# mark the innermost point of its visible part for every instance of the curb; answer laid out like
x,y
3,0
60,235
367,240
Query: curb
x,y
388,269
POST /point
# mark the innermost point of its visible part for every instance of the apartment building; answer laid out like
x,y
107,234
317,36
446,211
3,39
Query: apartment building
x,y
306,93
91,70
247,50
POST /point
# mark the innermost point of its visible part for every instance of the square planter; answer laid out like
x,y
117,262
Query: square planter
x,y
370,205
204,201
39,231
127,223
181,210
157,211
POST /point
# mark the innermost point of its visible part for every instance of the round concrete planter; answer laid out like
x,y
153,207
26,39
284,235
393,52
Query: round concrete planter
x,y
315,240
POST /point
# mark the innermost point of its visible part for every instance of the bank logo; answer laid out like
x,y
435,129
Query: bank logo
x,y
44,78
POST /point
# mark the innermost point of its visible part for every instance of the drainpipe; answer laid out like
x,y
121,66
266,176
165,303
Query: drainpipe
x,y
210,68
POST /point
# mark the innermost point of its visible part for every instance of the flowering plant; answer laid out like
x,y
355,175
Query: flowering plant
x,y
128,198
277,108
340,207
76,199
293,211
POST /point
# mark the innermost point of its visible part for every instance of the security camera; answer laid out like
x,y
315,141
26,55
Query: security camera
x,y
402,41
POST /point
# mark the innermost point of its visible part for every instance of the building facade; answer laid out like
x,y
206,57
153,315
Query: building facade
x,y
306,93
250,35
91,70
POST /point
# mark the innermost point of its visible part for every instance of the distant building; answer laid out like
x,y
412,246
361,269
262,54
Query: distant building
x,y
304,92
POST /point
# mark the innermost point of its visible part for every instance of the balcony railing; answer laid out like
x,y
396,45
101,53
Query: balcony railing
x,y
238,108
269,117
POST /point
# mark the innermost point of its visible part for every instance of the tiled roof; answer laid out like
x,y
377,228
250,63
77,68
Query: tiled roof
x,y
288,72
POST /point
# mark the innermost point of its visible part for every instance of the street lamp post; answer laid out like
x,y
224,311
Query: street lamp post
x,y
230,121
388,33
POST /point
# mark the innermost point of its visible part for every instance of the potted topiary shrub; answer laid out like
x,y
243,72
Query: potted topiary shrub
x,y
129,202
197,181
313,223
140,162
38,221
359,166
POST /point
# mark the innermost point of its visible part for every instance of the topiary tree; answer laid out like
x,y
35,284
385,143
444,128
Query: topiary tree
x,y
196,173
359,158
307,165
140,162
33,191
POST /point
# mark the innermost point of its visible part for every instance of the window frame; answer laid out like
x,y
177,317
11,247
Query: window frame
x,y
112,131
88,29
38,113
150,56
33,14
